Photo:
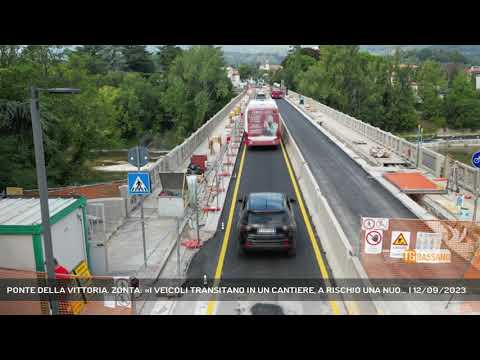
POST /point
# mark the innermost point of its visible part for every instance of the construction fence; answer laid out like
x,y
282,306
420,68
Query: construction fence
x,y
76,301
420,249
205,190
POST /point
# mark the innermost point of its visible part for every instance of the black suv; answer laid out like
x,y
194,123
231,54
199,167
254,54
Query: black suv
x,y
267,222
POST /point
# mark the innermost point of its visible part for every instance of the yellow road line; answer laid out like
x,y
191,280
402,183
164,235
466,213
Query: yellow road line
x,y
223,251
316,249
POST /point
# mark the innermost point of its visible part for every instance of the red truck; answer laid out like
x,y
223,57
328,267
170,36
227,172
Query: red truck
x,y
277,93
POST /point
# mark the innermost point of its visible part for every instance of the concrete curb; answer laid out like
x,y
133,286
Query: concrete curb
x,y
338,250
416,209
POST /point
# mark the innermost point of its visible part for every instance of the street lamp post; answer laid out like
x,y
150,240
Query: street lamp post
x,y
419,144
42,183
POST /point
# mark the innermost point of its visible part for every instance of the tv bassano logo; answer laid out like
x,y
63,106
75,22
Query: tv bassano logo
x,y
432,256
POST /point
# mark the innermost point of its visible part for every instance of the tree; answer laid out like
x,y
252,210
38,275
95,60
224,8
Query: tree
x,y
166,55
294,64
137,59
91,57
44,56
431,80
99,59
117,105
372,88
462,104
9,55
197,87
247,71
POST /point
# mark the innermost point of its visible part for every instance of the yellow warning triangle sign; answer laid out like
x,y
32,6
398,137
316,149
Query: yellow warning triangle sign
x,y
400,240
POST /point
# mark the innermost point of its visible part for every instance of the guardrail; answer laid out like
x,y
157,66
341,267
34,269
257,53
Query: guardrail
x,y
175,158
429,160
338,250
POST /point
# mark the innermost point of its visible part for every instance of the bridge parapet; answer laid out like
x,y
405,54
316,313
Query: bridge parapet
x,y
429,159
178,155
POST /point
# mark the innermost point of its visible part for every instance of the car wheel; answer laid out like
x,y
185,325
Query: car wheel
x,y
292,251
241,250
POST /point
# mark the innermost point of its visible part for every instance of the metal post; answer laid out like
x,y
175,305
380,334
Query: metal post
x,y
43,192
477,174
142,216
418,147
217,184
196,211
178,248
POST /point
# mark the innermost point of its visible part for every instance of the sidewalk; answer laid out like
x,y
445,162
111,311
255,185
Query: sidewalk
x,y
125,254
208,226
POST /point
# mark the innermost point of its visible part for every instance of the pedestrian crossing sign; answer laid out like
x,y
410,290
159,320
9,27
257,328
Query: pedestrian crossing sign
x,y
139,183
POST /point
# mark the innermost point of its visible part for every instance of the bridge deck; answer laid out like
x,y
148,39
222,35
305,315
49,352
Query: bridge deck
x,y
351,192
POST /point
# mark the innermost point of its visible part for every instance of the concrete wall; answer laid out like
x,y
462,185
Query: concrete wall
x,y
175,158
338,250
93,191
429,159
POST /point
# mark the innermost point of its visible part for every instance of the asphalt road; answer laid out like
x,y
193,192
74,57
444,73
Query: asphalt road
x,y
264,170
349,190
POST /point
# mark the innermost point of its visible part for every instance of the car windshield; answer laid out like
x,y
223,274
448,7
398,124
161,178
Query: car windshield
x,y
267,218
269,202
260,97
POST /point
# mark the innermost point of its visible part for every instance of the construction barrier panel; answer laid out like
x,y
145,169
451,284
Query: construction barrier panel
x,y
420,249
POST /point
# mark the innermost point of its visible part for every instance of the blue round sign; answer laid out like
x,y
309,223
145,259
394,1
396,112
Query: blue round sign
x,y
476,159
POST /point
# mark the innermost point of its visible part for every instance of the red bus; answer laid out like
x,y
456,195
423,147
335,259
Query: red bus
x,y
262,123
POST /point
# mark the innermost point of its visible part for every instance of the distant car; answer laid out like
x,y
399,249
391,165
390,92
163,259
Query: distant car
x,y
260,95
267,222
277,94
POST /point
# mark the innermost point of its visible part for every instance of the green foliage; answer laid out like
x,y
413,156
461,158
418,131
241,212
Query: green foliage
x,y
165,56
121,103
380,90
431,80
137,59
362,85
197,86
294,65
247,71
434,54
462,104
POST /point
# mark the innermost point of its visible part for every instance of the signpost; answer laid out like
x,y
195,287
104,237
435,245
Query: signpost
x,y
139,184
476,164
138,156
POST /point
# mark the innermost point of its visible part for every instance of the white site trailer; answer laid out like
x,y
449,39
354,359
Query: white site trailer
x,y
21,241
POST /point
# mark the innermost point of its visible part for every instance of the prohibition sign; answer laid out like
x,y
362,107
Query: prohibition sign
x,y
374,237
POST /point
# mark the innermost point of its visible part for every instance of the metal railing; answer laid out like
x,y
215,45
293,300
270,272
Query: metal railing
x,y
429,159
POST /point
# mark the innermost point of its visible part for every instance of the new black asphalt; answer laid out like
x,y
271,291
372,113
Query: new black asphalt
x,y
349,189
264,170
